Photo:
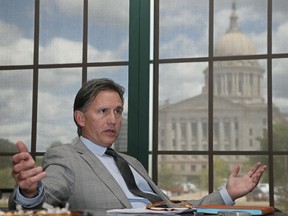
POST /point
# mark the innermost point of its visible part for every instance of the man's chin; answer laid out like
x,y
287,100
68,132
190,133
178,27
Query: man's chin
x,y
109,142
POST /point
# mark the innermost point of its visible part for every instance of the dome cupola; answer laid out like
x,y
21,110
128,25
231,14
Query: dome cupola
x,y
233,42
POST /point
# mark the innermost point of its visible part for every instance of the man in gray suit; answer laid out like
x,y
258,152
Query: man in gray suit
x,y
83,175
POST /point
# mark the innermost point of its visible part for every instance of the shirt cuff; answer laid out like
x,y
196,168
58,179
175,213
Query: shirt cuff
x,y
226,197
30,202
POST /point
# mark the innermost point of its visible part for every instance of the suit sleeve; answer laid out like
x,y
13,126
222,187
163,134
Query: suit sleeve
x,y
58,185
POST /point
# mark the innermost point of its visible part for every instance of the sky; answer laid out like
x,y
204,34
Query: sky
x,y
183,33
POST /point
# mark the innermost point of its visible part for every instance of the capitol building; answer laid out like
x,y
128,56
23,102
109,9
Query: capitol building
x,y
239,109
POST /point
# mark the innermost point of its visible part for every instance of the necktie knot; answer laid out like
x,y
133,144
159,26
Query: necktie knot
x,y
111,152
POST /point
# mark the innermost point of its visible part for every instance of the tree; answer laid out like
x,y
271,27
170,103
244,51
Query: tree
x,y
169,181
280,143
6,180
6,146
221,172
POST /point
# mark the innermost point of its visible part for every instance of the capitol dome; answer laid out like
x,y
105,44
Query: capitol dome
x,y
233,42
237,80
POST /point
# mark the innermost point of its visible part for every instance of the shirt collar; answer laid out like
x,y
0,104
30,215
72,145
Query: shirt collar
x,y
93,147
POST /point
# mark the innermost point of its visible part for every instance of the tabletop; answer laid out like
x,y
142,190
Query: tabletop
x,y
103,212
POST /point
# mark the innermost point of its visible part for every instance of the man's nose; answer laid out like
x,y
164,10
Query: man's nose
x,y
112,118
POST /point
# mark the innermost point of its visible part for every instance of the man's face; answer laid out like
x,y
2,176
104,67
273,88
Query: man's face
x,y
101,122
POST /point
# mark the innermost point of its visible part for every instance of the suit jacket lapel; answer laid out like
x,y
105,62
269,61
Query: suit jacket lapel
x,y
102,172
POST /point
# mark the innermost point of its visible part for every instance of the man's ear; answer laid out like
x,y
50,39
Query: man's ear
x,y
79,117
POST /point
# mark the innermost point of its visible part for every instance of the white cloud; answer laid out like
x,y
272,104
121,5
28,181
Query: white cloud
x,y
15,49
70,6
260,42
16,131
61,50
106,55
170,21
180,81
9,33
18,52
65,7
55,119
182,46
108,12
280,35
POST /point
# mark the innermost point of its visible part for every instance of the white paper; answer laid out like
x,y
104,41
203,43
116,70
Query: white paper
x,y
149,211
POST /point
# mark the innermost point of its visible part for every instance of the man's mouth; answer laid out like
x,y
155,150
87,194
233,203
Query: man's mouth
x,y
110,131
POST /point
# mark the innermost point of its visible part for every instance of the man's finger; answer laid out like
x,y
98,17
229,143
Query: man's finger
x,y
25,164
22,156
27,183
30,173
235,170
21,146
254,169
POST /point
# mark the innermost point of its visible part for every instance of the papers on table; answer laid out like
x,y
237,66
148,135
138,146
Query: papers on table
x,y
252,210
149,211
205,209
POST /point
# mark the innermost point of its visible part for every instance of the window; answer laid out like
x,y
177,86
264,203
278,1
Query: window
x,y
210,61
46,54
218,61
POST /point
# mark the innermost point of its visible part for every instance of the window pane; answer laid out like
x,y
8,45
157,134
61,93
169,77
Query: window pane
x,y
240,105
16,106
279,26
183,30
120,75
280,100
240,27
17,32
182,177
61,31
6,180
57,90
183,107
280,182
108,30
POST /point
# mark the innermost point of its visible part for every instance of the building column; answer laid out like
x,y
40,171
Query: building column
x,y
199,134
221,134
189,134
178,135
232,137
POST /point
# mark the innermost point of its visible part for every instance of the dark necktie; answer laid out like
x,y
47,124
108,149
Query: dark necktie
x,y
129,178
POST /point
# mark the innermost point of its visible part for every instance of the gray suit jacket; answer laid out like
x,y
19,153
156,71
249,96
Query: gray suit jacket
x,y
76,176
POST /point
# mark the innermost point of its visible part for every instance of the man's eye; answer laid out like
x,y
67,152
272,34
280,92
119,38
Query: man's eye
x,y
103,110
119,111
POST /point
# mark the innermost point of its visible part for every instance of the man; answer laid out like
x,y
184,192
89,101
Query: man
x,y
86,177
